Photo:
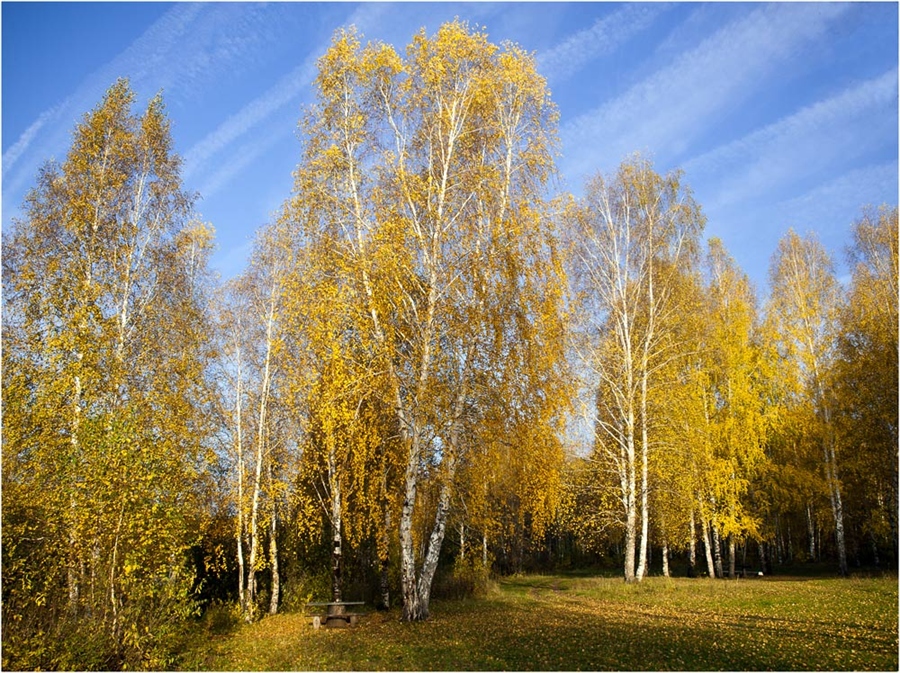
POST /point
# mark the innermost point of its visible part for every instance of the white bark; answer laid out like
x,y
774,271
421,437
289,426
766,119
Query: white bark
x,y
273,553
261,436
707,546
692,540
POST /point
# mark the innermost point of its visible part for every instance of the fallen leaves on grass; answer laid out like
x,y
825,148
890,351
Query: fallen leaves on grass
x,y
561,623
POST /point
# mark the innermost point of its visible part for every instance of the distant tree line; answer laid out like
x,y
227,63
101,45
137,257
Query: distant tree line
x,y
379,406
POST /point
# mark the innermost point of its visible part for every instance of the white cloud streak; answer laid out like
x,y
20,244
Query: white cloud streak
x,y
604,37
11,156
667,111
839,201
844,127
251,115
287,90
148,55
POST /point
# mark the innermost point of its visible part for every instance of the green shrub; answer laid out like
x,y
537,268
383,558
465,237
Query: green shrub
x,y
467,578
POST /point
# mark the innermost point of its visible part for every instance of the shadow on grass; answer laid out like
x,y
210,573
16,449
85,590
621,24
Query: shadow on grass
x,y
558,622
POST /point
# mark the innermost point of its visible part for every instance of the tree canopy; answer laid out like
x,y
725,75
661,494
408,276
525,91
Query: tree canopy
x,y
382,406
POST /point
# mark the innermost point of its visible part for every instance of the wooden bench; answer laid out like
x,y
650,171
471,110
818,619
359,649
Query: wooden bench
x,y
336,615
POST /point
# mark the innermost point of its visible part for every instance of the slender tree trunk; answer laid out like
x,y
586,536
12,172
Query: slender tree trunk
x,y
717,550
692,549
645,486
837,506
630,502
113,599
384,546
731,555
707,546
811,532
790,543
254,540
665,558
875,558
260,451
336,524
484,550
462,541
385,584
429,565
273,556
71,572
239,439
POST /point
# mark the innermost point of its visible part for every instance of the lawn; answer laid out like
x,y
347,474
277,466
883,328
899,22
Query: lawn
x,y
559,622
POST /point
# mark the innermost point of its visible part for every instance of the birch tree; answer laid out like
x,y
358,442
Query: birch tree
x,y
867,373
804,310
428,173
735,397
634,231
105,288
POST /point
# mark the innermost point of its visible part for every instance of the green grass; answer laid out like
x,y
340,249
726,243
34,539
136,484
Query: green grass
x,y
564,622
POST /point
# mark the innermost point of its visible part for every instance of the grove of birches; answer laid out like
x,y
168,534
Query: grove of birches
x,y
385,405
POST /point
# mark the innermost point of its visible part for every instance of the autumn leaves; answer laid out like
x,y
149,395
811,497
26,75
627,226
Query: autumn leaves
x,y
397,360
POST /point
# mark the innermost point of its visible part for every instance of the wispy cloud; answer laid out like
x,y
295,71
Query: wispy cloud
x,y
224,139
606,35
839,201
287,89
845,127
240,159
151,62
11,156
667,111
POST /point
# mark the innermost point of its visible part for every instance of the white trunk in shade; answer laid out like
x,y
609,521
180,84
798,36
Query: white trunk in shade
x,y
707,546
811,532
731,554
692,550
665,558
717,550
336,524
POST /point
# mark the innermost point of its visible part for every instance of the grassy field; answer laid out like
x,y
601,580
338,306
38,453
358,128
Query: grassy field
x,y
579,623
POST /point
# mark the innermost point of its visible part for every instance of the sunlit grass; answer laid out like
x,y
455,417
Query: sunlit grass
x,y
566,623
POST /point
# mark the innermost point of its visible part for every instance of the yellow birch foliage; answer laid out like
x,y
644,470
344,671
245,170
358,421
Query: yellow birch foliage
x,y
866,373
421,189
105,343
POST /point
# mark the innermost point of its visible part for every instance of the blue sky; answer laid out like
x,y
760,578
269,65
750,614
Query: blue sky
x,y
781,115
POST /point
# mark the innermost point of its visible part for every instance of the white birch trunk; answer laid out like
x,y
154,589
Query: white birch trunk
x,y
707,546
260,448
692,549
717,550
462,540
336,526
665,557
273,555
645,487
239,441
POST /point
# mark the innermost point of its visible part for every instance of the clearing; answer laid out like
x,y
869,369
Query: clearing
x,y
566,622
